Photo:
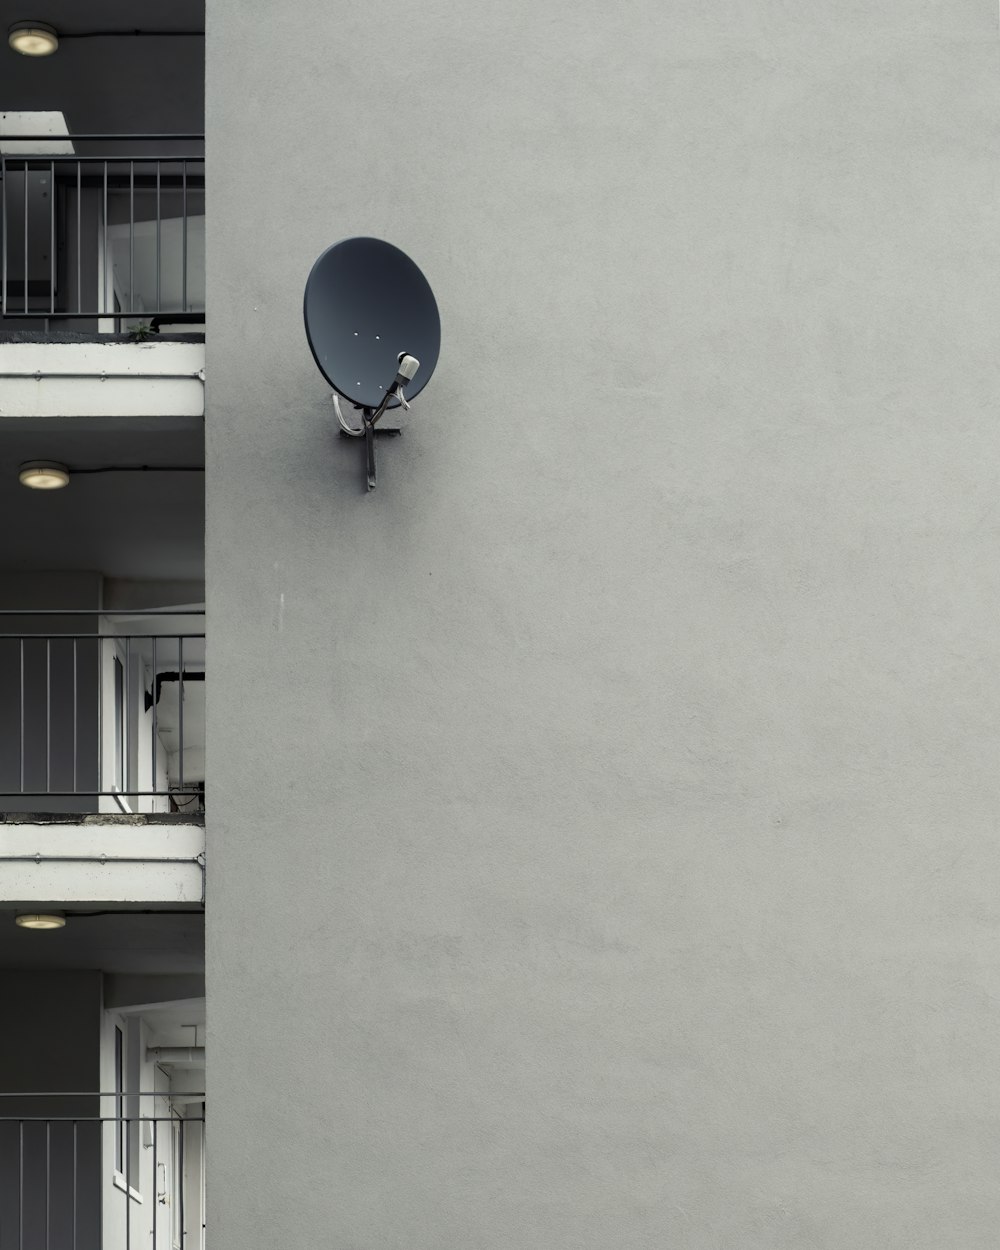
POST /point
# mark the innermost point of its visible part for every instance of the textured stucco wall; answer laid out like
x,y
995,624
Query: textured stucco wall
x,y
601,839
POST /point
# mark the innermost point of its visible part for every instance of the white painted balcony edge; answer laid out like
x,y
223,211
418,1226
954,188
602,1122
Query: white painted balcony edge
x,y
100,859
107,379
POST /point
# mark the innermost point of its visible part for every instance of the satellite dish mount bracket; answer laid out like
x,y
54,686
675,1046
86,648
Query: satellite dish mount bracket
x,y
369,430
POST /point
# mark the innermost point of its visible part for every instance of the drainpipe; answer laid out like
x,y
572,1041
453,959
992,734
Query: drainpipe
x,y
175,1054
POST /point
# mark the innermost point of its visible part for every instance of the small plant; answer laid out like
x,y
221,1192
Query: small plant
x,y
139,333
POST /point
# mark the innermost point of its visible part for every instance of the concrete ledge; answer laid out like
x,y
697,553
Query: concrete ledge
x,y
101,859
101,377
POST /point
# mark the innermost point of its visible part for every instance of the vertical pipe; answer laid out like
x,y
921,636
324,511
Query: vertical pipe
x,y
79,239
158,309
131,236
76,642
180,709
48,715
184,236
22,715
128,1176
52,236
152,785
181,1186
107,266
156,1172
20,1187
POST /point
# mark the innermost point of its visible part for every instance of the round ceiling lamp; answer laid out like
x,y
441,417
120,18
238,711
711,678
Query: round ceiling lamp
x,y
33,38
40,920
43,475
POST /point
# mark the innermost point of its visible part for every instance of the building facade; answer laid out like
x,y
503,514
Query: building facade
x,y
594,824
603,824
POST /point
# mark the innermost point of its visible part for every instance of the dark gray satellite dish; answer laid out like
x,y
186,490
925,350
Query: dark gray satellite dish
x,y
374,331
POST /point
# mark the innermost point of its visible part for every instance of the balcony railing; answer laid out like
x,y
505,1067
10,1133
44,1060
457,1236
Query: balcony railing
x,y
115,235
99,1172
93,718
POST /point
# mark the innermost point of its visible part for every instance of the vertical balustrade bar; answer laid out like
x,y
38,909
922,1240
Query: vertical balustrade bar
x,y
22,715
153,785
184,236
158,236
52,237
20,1186
74,1184
131,237
75,715
48,1178
106,261
3,210
180,709
127,716
79,238
25,238
100,712
48,715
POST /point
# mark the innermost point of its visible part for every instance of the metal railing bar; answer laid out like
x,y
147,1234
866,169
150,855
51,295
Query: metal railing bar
x,y
3,176
157,234
95,637
98,794
93,1119
131,236
20,1176
104,259
22,715
153,688
92,1093
127,716
79,239
25,238
52,237
94,138
48,1179
74,1182
48,714
102,612
180,712
76,643
184,240
100,714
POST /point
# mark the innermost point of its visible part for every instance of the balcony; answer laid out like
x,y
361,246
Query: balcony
x,y
101,1171
102,273
102,757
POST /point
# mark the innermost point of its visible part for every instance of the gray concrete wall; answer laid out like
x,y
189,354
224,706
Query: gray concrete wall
x,y
602,844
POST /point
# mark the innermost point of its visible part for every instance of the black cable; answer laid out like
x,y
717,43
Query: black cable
x,y
143,468
131,34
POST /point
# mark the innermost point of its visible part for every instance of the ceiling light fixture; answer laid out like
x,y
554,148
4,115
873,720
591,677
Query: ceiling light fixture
x,y
43,475
33,38
39,920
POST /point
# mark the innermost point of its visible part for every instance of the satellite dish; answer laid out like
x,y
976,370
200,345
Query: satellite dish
x,y
366,305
